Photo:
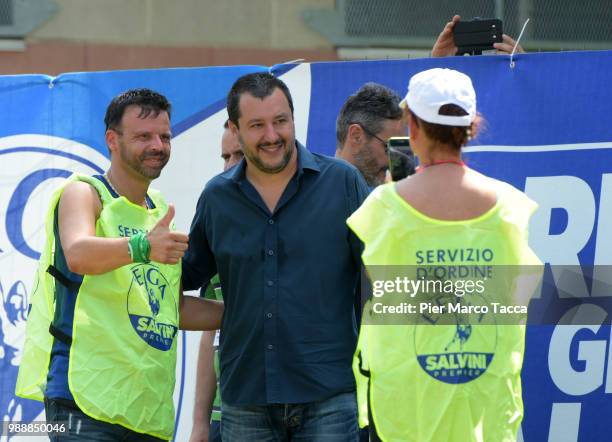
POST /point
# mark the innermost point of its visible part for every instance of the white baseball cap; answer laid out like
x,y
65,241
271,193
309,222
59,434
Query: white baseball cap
x,y
433,88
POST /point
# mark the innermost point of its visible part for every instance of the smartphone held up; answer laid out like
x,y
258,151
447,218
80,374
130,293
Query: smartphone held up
x,y
472,37
401,159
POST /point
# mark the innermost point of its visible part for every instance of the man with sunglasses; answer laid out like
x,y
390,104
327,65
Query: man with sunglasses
x,y
366,121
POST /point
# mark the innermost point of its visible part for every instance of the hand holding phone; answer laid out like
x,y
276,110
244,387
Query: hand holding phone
x,y
477,35
401,158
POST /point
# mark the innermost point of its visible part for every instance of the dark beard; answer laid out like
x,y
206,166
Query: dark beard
x,y
150,173
289,148
367,165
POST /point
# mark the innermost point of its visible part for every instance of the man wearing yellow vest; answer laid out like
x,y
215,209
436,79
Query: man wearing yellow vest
x,y
101,336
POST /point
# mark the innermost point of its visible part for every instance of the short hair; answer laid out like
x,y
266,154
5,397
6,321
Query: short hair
x,y
226,124
454,136
150,102
259,85
370,106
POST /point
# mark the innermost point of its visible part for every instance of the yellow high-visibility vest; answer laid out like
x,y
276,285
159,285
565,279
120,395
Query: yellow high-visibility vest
x,y
453,382
123,352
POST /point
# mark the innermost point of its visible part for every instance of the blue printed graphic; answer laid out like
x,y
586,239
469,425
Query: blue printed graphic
x,y
455,368
459,353
13,310
148,296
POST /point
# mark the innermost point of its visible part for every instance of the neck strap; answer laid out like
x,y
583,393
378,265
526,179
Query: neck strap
x,y
437,163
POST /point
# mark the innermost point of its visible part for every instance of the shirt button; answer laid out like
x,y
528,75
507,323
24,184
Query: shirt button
x,y
270,283
268,315
270,221
270,346
270,252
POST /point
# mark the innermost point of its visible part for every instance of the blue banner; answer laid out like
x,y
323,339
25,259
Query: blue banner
x,y
547,133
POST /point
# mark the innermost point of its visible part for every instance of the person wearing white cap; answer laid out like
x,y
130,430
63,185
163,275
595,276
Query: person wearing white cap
x,y
459,379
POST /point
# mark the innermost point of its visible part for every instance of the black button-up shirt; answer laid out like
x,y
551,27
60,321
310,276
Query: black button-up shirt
x,y
288,280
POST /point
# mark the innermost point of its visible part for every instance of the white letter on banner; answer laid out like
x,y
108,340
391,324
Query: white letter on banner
x,y
564,422
593,353
608,377
575,196
602,274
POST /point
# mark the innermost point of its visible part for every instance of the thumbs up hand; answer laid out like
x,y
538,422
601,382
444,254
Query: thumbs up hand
x,y
167,218
167,247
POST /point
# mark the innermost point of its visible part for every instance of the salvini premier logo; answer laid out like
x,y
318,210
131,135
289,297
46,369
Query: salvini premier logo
x,y
151,306
460,353
463,351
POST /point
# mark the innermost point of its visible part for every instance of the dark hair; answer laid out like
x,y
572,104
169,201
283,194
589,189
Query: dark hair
x,y
370,106
150,102
259,85
226,124
454,136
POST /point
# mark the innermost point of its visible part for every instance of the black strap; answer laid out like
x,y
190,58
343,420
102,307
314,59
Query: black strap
x,y
70,285
371,427
362,370
63,279
62,402
60,335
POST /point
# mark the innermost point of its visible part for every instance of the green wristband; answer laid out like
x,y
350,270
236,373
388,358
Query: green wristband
x,y
139,247
145,247
131,248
